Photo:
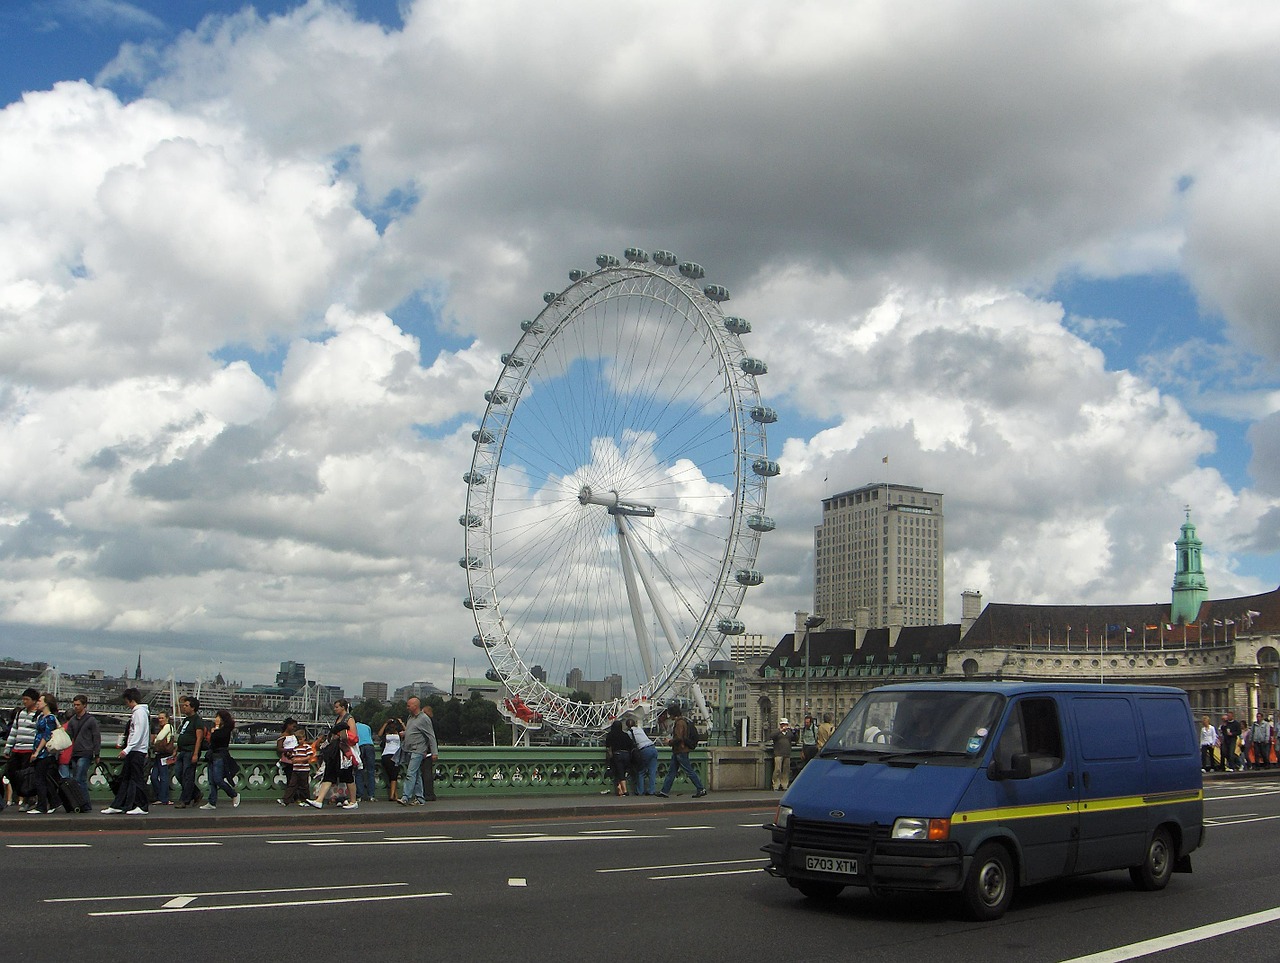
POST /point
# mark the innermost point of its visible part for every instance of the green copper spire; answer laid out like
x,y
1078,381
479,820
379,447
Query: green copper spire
x,y
1189,587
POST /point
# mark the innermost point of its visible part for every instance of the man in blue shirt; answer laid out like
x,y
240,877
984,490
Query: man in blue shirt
x,y
367,777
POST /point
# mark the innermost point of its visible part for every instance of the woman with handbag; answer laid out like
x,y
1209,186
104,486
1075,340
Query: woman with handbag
x,y
162,752
339,758
44,756
222,768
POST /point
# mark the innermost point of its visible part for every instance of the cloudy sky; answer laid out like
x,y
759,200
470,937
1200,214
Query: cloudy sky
x,y
257,267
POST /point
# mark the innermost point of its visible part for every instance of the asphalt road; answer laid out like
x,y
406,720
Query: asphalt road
x,y
660,885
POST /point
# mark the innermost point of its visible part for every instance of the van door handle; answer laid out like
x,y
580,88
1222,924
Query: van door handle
x,y
1086,780
1071,780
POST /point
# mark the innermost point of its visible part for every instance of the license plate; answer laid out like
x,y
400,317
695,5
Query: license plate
x,y
831,864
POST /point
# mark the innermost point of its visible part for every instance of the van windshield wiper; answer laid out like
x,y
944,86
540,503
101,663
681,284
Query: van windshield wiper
x,y
926,754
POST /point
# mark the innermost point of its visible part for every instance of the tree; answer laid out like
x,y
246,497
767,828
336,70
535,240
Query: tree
x,y
577,695
367,710
480,721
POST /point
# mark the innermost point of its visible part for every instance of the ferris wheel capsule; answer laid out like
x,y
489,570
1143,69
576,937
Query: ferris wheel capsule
x,y
665,258
737,325
766,468
576,275
471,562
692,271
748,576
470,520
512,360
483,641
493,676
482,436
730,627
535,327
496,397
635,255
474,603
551,297
760,523
753,366
716,292
607,261
764,415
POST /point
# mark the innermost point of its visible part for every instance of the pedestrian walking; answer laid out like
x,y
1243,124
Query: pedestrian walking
x,y
131,797
18,747
222,767
44,759
367,777
1209,742
190,743
420,748
86,741
683,741
162,757
808,740
338,757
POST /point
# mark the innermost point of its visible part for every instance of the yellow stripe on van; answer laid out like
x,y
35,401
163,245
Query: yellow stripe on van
x,y
1069,807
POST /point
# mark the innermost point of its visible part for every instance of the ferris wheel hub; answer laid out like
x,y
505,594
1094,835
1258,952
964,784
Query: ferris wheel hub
x,y
614,502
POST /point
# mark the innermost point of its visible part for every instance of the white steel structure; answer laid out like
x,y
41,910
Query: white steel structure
x,y
616,495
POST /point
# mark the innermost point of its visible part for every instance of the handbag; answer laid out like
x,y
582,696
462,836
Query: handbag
x,y
59,740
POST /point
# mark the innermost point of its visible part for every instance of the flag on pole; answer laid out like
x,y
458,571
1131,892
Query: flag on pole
x,y
885,459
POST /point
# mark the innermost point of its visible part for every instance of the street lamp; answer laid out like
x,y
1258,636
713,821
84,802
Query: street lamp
x,y
812,622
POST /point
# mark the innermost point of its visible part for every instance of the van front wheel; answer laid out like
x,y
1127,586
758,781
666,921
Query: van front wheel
x,y
988,889
1156,869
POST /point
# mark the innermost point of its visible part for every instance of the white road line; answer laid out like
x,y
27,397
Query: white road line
x,y
725,872
299,842
714,862
192,843
605,832
275,835
179,901
685,829
281,905
517,881
1233,821
223,892
503,840
46,845
1173,940
1240,795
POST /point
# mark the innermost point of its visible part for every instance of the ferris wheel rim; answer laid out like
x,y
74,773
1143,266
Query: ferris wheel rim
x,y
494,634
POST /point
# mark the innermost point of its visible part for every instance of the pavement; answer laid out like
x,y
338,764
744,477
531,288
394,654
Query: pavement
x,y
447,809
267,813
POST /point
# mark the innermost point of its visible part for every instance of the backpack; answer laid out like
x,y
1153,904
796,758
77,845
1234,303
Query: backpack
x,y
691,736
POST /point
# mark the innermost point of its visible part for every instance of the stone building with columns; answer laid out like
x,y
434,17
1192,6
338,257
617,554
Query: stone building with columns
x,y
1224,652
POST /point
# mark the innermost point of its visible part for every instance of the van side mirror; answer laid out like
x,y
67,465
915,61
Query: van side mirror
x,y
1019,768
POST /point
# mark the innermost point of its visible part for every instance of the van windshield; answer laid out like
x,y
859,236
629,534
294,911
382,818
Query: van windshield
x,y
918,723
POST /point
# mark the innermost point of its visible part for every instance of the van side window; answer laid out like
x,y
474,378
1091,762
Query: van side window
x,y
1033,729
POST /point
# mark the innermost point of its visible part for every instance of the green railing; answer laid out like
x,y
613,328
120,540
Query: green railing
x,y
460,771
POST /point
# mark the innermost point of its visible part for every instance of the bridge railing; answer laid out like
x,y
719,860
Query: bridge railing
x,y
482,771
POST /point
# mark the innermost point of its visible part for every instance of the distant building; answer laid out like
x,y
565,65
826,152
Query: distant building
x,y
1226,655
374,690
878,557
417,690
292,676
600,690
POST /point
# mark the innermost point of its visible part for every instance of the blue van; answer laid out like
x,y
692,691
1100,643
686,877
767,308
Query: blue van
x,y
979,788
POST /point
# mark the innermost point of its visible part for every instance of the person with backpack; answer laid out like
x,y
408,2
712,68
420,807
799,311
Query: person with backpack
x,y
684,739
86,742
808,740
19,746
644,760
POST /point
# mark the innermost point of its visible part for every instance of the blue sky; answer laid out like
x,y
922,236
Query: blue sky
x,y
258,269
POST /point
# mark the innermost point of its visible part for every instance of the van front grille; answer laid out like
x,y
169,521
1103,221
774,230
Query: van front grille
x,y
838,837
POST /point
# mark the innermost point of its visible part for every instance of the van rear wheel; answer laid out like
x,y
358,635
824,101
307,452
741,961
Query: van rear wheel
x,y
1157,867
820,892
988,889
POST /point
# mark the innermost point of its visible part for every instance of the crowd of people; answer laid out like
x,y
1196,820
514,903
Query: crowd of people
x,y
1234,746
51,758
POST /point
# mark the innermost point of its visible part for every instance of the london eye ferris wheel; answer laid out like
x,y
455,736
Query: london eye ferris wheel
x,y
616,494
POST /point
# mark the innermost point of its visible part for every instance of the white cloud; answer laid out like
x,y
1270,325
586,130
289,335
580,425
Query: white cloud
x,y
881,184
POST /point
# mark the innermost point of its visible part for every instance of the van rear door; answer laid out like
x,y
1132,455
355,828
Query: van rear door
x,y
1111,776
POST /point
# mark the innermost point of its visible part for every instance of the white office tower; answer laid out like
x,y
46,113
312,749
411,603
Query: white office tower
x,y
878,558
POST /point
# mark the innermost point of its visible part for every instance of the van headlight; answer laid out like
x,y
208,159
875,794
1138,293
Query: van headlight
x,y
783,817
922,828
